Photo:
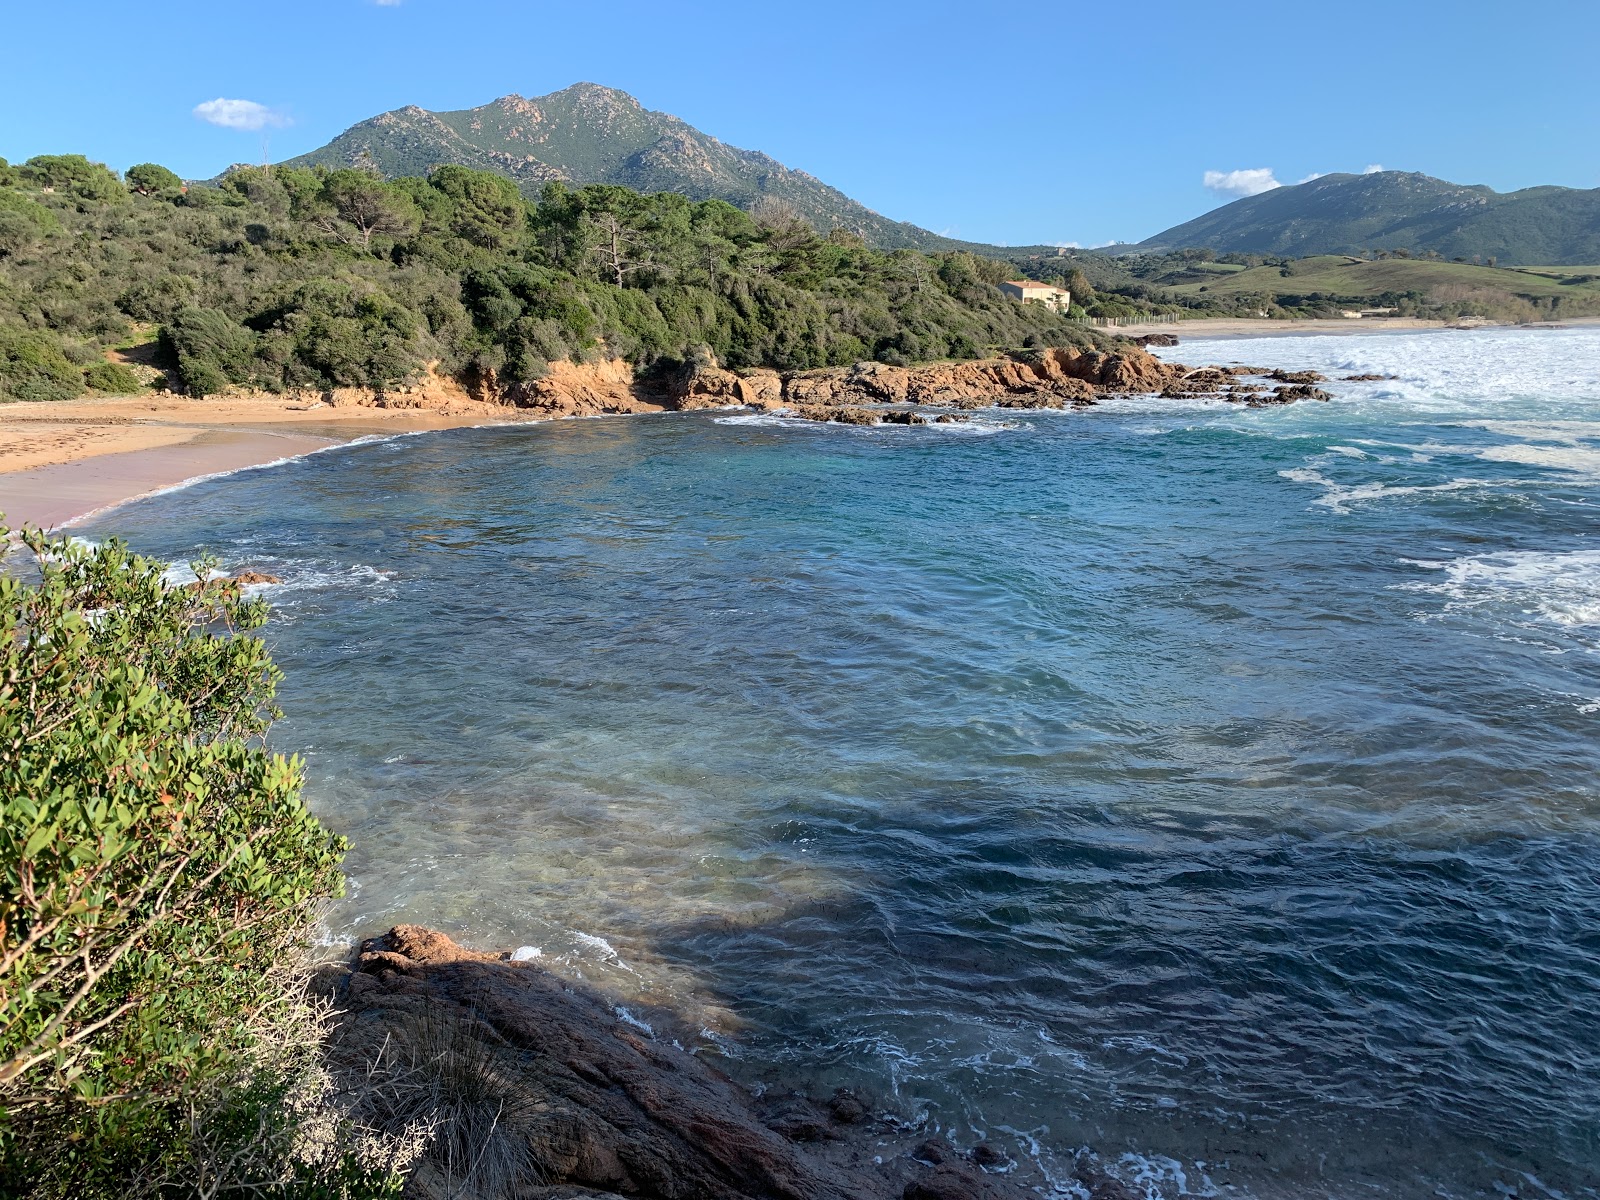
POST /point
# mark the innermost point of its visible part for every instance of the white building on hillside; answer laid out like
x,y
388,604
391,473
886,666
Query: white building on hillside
x,y
1042,293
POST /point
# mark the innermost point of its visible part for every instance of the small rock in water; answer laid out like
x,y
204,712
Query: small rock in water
x,y
933,1151
988,1157
846,1107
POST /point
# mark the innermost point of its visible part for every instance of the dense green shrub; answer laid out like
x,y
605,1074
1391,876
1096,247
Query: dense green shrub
x,y
208,350
111,377
34,366
156,862
23,222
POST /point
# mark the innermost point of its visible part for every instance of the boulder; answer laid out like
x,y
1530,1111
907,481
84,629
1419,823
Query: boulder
x,y
540,1076
760,388
841,414
243,579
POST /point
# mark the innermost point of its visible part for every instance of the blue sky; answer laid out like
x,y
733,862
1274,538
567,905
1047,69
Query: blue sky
x,y
1001,122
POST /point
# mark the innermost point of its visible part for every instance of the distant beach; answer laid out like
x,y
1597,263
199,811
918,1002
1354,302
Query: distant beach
x,y
1251,327
62,460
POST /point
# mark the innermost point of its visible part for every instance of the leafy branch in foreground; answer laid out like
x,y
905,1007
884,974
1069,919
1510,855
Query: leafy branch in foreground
x,y
156,860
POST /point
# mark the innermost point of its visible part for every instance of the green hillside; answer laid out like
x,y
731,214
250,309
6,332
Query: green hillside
x,y
1334,279
287,278
1356,214
587,134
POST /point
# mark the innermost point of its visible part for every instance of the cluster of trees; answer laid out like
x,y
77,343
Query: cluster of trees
x,y
308,278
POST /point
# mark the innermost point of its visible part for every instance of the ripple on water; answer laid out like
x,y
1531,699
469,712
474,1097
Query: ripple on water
x,y
1214,788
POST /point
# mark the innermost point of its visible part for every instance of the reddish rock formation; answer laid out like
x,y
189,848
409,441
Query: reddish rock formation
x,y
1040,378
576,1098
242,579
579,390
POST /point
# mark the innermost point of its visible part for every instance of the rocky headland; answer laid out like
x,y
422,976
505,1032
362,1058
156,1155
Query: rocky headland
x,y
874,392
556,1092
553,1091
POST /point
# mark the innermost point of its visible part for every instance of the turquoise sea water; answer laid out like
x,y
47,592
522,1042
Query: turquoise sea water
x,y
1213,788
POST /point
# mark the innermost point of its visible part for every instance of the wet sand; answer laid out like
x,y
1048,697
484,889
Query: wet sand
x,y
64,460
52,495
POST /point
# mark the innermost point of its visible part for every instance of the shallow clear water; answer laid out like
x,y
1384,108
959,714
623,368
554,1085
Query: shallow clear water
x,y
1214,788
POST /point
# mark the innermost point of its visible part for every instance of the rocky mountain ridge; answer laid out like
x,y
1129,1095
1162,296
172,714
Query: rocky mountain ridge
x,y
591,134
1354,214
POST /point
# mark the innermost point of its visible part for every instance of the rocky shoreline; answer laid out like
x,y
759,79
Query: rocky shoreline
x,y
868,393
564,1095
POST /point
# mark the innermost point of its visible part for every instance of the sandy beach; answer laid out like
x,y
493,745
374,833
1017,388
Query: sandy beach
x,y
63,460
1249,327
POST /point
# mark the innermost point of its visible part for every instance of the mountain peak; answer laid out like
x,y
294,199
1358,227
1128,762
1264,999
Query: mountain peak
x,y
589,133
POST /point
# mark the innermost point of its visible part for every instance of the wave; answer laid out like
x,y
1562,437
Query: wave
x,y
1559,588
1338,497
972,427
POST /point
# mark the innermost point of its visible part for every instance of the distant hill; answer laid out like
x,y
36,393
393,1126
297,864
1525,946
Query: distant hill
x,y
1351,214
1338,276
592,134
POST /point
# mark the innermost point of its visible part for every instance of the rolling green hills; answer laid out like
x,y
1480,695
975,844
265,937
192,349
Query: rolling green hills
x,y
1354,214
590,134
1363,282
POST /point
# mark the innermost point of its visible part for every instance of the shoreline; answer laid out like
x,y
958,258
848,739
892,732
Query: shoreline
x,y
1236,328
61,462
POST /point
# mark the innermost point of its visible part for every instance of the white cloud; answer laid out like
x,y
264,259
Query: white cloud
x,y
1373,168
387,3
239,114
1310,177
1249,182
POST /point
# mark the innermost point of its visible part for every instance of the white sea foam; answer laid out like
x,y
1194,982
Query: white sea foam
x,y
599,948
1559,588
1338,497
782,419
767,420
627,1018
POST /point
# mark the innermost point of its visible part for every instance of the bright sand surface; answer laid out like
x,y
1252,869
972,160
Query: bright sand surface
x,y
63,460
1250,327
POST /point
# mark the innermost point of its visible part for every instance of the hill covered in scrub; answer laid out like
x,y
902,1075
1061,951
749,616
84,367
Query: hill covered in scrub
x,y
288,278
588,134
1357,214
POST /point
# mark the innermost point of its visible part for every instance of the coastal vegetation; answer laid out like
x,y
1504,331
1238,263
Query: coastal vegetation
x,y
158,869
1201,283
288,278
